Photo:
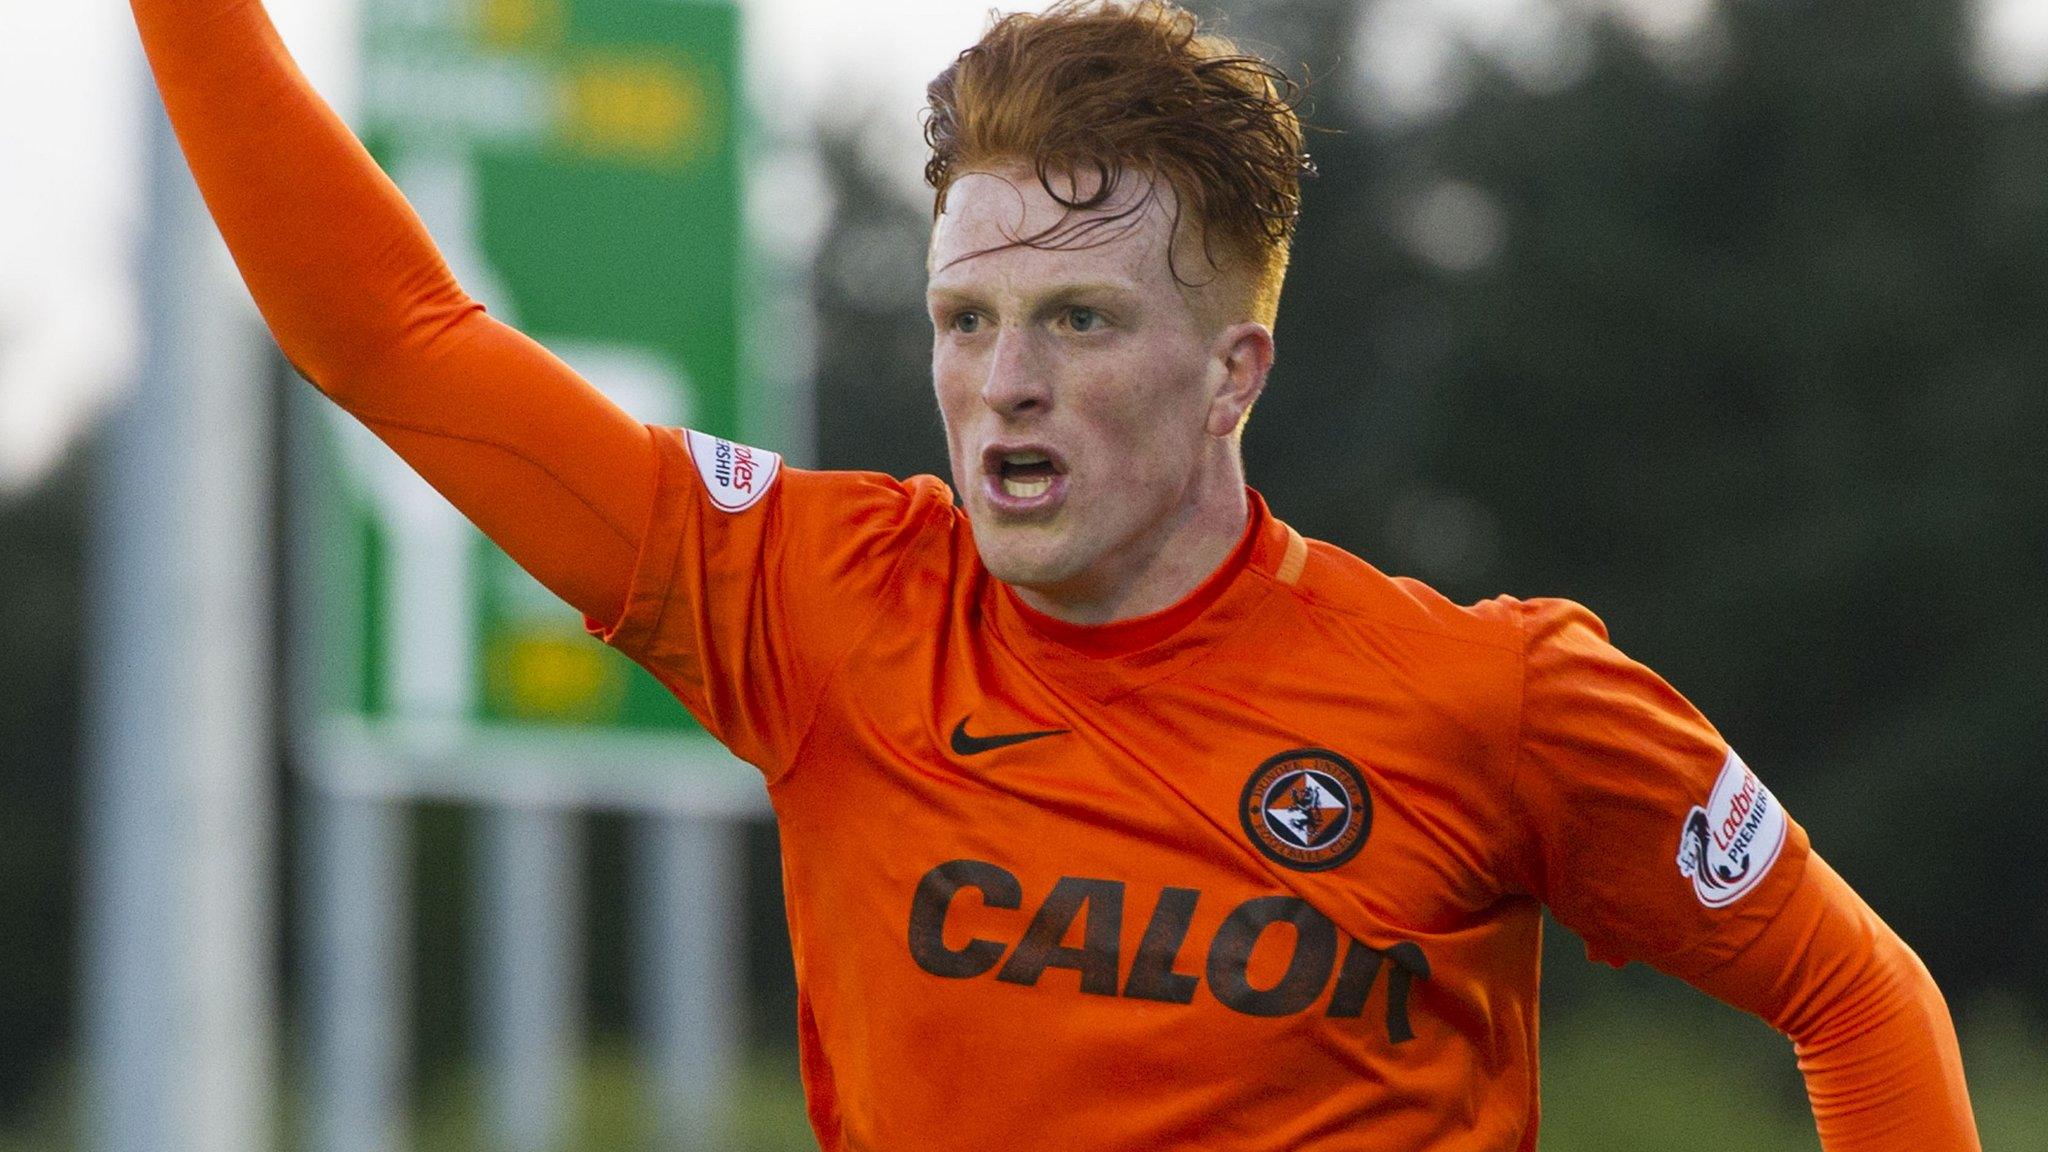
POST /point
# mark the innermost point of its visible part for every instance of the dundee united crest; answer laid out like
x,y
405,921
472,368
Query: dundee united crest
x,y
1307,809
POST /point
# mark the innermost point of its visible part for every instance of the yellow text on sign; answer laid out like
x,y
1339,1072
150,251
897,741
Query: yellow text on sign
x,y
515,24
549,676
646,109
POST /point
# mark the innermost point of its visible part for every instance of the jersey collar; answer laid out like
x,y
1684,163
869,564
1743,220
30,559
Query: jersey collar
x,y
1124,655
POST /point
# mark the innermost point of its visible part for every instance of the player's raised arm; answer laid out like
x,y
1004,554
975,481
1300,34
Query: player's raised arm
x,y
364,306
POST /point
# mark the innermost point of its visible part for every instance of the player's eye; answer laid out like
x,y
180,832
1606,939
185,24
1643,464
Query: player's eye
x,y
1083,319
966,323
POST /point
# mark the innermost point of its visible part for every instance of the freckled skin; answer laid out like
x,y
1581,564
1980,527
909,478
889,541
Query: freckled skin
x,y
1138,382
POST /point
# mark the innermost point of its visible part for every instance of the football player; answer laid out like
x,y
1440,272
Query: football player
x,y
1115,813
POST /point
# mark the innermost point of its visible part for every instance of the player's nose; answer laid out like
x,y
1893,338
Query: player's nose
x,y
1017,381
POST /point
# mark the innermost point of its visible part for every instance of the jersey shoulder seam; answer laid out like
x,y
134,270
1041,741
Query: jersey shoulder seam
x,y
1374,620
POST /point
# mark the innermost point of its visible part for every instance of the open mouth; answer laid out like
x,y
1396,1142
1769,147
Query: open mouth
x,y
1026,474
1023,477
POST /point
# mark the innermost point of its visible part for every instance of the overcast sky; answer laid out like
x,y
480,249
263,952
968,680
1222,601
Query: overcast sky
x,y
71,97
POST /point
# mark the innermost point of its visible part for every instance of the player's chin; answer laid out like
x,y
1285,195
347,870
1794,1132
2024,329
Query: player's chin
x,y
1029,555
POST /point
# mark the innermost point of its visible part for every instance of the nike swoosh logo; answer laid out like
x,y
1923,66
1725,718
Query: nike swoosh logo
x,y
966,744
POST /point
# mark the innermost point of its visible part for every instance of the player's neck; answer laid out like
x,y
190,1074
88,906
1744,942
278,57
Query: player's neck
x,y
1160,569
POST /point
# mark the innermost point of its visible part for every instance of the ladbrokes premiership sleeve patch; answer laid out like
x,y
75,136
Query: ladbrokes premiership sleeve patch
x,y
735,475
1728,845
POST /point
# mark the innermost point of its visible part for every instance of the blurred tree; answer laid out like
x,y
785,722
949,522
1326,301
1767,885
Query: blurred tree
x,y
41,558
1752,371
873,373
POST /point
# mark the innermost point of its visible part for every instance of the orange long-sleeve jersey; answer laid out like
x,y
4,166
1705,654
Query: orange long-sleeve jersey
x,y
1261,871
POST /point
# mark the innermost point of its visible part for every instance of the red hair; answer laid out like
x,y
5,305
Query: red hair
x,y
1104,87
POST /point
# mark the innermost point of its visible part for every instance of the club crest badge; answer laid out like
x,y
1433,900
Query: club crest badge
x,y
1729,845
1306,809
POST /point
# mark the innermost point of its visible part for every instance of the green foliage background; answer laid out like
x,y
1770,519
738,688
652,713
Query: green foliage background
x,y
1757,369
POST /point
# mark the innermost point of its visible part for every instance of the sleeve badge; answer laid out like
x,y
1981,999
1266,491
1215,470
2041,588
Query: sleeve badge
x,y
1728,846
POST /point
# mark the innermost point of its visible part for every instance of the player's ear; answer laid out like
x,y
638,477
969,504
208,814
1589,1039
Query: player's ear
x,y
1244,355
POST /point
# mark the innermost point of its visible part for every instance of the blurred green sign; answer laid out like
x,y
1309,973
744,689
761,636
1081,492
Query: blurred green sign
x,y
576,161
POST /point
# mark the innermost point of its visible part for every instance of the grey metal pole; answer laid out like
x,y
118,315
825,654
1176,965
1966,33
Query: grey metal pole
x,y
689,971
356,910
179,1014
530,980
